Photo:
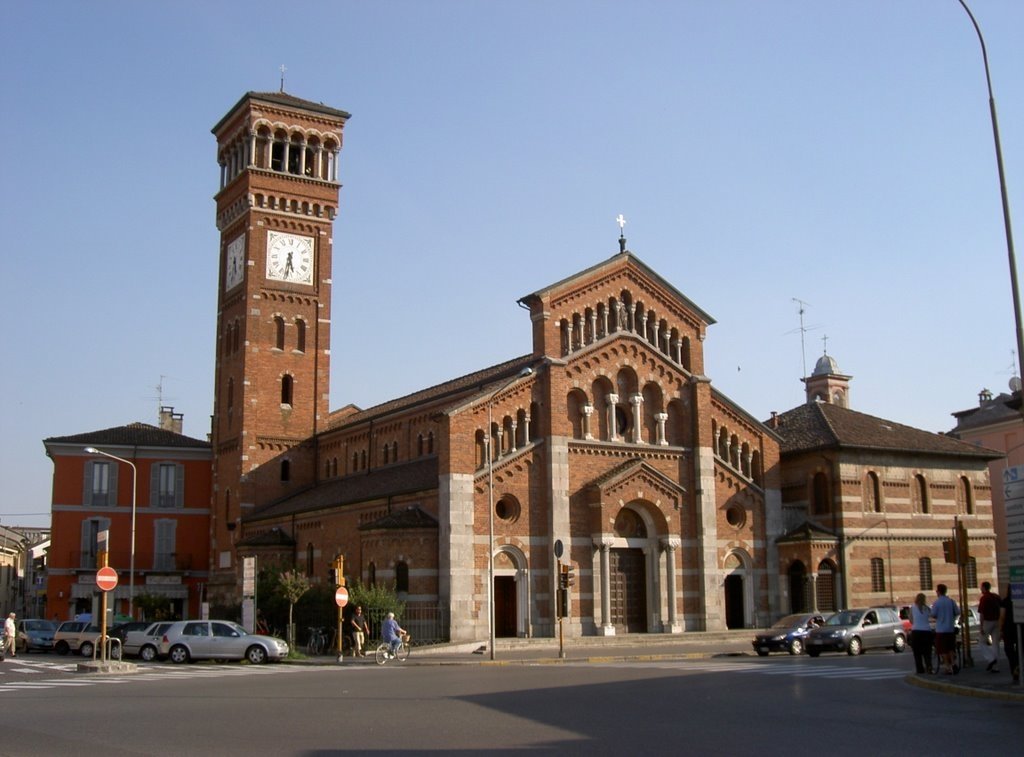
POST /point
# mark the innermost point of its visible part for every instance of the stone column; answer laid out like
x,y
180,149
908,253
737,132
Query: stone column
x,y
613,427
499,444
661,418
526,429
636,401
588,410
670,545
512,440
604,544
593,326
604,320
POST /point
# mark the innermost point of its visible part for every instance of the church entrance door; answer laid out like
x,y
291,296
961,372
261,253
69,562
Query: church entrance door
x,y
505,620
628,579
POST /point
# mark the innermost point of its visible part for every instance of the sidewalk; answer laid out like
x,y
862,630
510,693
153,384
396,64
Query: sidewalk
x,y
971,681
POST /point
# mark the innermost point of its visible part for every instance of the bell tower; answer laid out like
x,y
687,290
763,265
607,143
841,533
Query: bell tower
x,y
278,197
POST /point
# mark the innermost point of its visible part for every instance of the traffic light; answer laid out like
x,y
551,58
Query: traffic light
x,y
566,576
949,550
336,571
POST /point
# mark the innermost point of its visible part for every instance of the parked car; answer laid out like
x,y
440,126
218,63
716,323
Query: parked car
x,y
77,636
188,640
854,631
145,643
787,634
35,634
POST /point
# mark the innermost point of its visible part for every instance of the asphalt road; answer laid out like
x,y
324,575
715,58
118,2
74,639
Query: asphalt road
x,y
835,705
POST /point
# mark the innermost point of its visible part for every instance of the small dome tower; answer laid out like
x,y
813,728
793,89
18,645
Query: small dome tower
x,y
827,384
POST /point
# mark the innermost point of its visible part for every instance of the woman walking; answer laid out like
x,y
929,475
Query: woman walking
x,y
921,635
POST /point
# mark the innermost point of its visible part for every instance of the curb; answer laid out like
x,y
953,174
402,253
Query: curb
x,y
964,690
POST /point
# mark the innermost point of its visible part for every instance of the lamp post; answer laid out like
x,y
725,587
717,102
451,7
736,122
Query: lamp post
x,y
135,489
490,508
1006,200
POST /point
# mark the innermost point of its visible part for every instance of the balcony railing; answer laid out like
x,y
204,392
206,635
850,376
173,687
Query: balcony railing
x,y
121,562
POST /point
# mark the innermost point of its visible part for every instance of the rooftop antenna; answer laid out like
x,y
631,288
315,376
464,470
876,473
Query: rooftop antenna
x,y
621,220
283,69
802,308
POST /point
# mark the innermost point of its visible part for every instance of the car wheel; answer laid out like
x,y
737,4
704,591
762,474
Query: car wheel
x,y
256,654
179,654
855,648
814,652
796,647
86,649
762,653
147,653
62,647
899,644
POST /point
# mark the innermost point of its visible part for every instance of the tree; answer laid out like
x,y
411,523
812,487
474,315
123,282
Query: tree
x,y
154,607
292,585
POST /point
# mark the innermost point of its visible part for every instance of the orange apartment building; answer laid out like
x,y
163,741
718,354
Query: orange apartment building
x,y
92,492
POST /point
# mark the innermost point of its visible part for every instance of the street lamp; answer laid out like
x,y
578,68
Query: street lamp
x,y
135,489
1006,200
490,508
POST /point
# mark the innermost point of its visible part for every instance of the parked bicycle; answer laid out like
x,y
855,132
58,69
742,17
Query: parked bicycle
x,y
383,653
317,641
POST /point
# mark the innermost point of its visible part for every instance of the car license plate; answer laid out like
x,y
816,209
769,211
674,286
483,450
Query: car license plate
x,y
764,649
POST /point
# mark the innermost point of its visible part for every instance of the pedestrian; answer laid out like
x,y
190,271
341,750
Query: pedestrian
x,y
945,611
1010,636
10,635
360,630
989,608
921,635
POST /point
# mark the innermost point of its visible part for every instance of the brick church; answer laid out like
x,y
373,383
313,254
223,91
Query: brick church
x,y
605,441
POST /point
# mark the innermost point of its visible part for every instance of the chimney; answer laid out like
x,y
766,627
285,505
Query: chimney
x,y
170,420
774,422
984,396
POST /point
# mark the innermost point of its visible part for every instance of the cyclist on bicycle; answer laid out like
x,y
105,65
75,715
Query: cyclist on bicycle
x,y
392,633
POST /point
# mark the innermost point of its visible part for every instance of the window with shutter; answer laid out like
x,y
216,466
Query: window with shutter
x,y
164,549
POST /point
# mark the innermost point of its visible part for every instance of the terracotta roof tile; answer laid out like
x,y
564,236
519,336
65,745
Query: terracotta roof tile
x,y
821,425
132,435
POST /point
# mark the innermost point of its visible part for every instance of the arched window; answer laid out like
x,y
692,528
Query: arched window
x,y
394,452
231,399
278,332
966,496
877,574
355,462
872,493
924,573
286,470
820,504
401,577
921,494
371,574
971,573
286,390
430,443
309,559
300,335
419,445
236,336
385,453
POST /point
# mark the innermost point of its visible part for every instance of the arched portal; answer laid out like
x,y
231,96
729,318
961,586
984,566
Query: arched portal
x,y
825,593
511,597
737,588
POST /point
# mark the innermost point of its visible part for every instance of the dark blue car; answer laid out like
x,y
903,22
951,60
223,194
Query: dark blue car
x,y
788,634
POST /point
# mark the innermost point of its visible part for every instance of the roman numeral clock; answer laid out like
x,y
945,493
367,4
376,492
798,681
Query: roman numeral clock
x,y
289,258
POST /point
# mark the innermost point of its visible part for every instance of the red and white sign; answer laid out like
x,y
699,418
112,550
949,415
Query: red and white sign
x,y
106,578
341,596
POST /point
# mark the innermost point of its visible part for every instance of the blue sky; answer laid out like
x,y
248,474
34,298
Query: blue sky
x,y
839,153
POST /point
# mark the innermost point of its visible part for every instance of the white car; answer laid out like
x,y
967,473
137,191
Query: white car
x,y
146,643
188,640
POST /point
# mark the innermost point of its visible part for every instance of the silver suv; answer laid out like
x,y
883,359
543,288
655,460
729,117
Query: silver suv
x,y
853,631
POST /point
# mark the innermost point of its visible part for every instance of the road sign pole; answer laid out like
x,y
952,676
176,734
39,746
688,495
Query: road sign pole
x,y
102,560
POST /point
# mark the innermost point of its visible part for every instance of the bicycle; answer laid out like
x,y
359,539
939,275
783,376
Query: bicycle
x,y
383,653
317,642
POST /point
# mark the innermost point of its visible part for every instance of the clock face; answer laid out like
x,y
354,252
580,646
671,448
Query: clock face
x,y
234,270
289,258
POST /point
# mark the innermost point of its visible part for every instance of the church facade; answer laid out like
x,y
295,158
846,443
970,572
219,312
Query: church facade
x,y
604,446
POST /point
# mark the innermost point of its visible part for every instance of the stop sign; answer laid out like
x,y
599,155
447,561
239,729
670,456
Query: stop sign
x,y
341,596
106,578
